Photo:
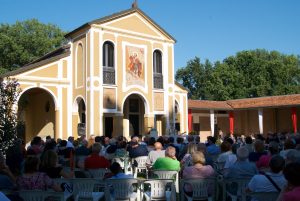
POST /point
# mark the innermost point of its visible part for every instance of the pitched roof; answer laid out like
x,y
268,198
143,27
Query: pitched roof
x,y
47,58
205,104
180,86
116,16
268,101
247,103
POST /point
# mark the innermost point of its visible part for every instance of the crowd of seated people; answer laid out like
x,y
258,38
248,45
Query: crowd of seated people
x,y
256,158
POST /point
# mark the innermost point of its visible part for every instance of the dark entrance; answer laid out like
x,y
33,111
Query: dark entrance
x,y
134,124
109,123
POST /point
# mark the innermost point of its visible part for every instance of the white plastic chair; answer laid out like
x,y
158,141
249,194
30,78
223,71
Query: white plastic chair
x,y
159,190
219,167
98,173
84,188
141,165
167,174
238,185
201,189
121,189
39,195
122,161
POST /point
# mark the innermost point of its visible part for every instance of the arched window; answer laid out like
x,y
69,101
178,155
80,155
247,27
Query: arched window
x,y
108,53
157,70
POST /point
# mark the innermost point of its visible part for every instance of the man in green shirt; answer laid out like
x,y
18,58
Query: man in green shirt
x,y
169,162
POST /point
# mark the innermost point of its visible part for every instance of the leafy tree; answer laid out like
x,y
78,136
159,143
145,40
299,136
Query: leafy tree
x,y
193,77
9,92
23,42
248,74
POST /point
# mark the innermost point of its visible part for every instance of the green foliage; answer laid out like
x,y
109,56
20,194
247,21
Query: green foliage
x,y
194,76
9,92
248,74
23,42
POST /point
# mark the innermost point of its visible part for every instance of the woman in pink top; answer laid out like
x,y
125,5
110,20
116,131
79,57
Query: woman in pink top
x,y
32,179
292,175
198,170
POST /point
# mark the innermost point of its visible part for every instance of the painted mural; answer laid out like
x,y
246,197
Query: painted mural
x,y
135,64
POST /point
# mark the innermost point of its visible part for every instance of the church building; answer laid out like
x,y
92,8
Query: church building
x,y
114,77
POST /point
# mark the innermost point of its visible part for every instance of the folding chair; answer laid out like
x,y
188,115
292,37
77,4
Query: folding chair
x,y
202,189
121,189
159,190
141,165
167,174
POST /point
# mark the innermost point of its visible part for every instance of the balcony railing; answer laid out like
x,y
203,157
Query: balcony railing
x,y
158,81
108,75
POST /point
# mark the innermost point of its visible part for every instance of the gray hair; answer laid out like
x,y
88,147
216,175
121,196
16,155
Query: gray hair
x,y
293,156
96,148
170,152
242,153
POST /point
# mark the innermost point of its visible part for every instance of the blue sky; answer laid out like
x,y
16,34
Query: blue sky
x,y
209,29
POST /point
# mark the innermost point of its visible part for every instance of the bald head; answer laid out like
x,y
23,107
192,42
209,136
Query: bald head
x,y
157,146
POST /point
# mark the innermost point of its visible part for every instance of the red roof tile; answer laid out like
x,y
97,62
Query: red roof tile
x,y
247,103
204,104
269,101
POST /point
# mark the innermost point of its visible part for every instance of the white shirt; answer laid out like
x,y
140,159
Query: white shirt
x,y
260,183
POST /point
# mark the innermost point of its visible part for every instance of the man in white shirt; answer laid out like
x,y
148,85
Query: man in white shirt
x,y
155,154
261,182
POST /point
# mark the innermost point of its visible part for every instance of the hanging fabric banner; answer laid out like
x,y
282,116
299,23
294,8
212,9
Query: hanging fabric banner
x,y
231,122
294,119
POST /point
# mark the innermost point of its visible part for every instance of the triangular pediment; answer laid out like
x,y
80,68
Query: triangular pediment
x,y
135,23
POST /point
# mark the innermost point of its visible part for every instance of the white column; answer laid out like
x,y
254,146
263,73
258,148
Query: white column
x,y
212,122
260,121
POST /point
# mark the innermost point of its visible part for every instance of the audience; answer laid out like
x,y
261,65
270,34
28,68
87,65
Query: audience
x,y
49,165
291,192
136,150
263,162
155,154
198,170
169,162
196,160
212,148
187,159
248,144
292,156
226,157
95,161
288,145
242,168
32,179
270,181
117,172
83,150
259,150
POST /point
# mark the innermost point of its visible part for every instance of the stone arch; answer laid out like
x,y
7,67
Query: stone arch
x,y
134,108
36,113
146,103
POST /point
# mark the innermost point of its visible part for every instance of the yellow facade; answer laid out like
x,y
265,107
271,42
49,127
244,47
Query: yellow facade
x,y
131,105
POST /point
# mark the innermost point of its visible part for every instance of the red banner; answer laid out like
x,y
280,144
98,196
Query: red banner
x,y
231,122
294,119
190,120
